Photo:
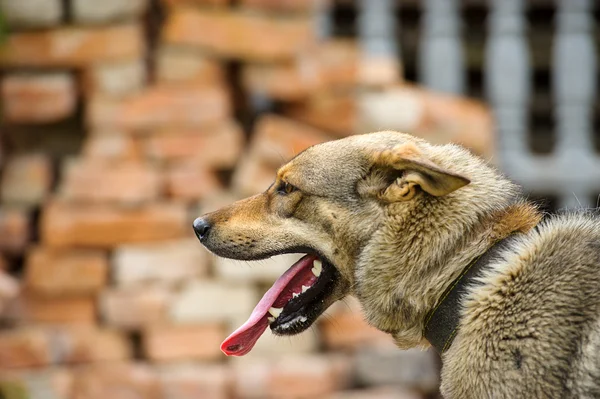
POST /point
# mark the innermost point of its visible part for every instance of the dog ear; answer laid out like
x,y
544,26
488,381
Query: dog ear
x,y
417,172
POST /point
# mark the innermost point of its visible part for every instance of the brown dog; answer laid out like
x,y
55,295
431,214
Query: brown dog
x,y
406,226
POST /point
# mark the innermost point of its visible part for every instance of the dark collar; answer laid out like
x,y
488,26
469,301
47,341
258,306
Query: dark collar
x,y
442,322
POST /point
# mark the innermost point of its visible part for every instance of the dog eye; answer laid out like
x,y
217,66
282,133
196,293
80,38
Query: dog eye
x,y
286,188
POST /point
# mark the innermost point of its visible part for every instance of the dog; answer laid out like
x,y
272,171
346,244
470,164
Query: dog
x,y
400,224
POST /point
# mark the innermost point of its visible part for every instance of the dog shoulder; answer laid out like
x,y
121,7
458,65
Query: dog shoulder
x,y
533,310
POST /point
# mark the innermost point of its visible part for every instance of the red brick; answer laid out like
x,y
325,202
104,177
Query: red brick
x,y
46,310
283,5
116,381
378,393
9,288
31,13
185,65
177,3
275,347
193,381
14,230
335,112
73,46
216,202
380,72
343,65
29,347
340,63
130,309
102,226
345,327
108,181
90,345
437,117
303,377
383,364
252,176
183,342
235,34
112,146
306,376
142,264
24,348
92,11
291,81
332,65
26,179
196,303
250,378
278,139
162,106
198,144
235,271
38,98
191,181
342,365
115,78
54,272
43,383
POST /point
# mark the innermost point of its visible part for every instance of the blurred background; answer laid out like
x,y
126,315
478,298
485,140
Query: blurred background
x,y
122,121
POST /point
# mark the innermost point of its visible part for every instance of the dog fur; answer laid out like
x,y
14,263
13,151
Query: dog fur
x,y
400,219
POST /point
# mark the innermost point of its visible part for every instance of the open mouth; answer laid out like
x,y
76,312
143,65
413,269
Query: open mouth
x,y
289,307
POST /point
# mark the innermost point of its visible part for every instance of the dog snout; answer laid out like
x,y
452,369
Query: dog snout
x,y
201,228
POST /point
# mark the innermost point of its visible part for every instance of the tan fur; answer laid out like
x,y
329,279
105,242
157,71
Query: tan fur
x,y
400,219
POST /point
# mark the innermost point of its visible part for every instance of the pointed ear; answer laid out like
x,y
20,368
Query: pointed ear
x,y
417,172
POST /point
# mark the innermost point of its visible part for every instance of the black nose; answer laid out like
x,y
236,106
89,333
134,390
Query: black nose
x,y
201,228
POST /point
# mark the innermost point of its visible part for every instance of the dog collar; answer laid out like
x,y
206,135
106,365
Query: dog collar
x,y
441,324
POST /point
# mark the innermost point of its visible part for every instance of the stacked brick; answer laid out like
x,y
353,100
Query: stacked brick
x,y
117,299
53,321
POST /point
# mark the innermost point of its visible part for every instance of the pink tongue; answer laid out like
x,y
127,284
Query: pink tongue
x,y
242,340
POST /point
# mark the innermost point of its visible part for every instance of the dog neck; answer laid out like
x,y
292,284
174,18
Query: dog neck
x,y
404,286
442,321
441,324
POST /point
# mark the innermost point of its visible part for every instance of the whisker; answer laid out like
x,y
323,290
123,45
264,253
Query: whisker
x,y
579,202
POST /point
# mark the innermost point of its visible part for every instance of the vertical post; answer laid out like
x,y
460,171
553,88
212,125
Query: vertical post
x,y
323,19
574,86
507,83
377,30
441,65
574,75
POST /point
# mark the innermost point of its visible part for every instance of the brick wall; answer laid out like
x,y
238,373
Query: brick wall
x,y
117,131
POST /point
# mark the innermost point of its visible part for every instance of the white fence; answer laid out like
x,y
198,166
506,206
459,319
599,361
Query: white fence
x,y
571,171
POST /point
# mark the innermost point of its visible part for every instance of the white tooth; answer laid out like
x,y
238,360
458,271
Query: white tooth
x,y
275,311
304,289
294,295
271,319
317,268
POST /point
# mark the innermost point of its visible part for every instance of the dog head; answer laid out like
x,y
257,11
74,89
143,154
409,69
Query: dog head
x,y
344,204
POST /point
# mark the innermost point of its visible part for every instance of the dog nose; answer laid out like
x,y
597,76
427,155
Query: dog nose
x,y
201,228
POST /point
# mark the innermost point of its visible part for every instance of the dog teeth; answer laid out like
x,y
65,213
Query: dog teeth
x,y
317,268
271,319
275,311
294,295
304,289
